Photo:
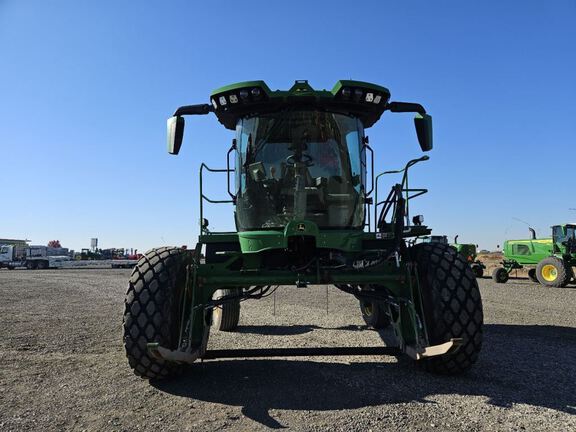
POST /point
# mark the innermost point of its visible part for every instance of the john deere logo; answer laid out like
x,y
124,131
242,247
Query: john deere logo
x,y
301,227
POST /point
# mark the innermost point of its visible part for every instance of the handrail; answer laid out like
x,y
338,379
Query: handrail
x,y
404,188
232,148
204,197
367,147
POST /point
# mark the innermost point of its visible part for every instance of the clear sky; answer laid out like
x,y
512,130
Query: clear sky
x,y
86,87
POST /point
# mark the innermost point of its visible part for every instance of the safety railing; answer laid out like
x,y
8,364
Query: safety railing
x,y
398,190
203,224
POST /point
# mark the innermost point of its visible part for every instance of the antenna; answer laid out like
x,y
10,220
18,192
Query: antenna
x,y
520,220
532,231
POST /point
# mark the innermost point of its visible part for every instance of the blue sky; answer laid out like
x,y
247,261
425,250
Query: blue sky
x,y
85,90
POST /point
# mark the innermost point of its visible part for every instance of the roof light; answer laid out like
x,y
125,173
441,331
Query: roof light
x,y
369,97
214,104
222,100
244,94
233,98
357,93
255,92
377,99
346,92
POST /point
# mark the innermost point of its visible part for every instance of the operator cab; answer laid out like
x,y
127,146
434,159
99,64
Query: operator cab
x,y
301,153
564,235
300,165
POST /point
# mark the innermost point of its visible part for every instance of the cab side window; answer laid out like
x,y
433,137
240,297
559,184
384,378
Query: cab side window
x,y
520,249
558,234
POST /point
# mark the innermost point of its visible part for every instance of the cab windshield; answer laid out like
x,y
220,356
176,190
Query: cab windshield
x,y
300,165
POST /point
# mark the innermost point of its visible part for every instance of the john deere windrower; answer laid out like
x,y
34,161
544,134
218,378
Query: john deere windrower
x,y
304,190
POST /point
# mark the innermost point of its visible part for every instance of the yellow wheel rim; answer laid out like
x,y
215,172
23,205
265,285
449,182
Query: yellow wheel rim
x,y
549,273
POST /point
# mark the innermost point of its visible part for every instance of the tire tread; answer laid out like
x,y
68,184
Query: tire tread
x,y
148,310
453,306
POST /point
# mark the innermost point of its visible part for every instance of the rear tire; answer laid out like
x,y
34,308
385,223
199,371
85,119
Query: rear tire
x,y
478,271
532,275
226,316
452,306
42,265
552,272
500,275
31,265
569,276
153,309
374,314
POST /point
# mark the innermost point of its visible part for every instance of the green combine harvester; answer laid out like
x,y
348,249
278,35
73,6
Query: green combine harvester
x,y
550,260
303,189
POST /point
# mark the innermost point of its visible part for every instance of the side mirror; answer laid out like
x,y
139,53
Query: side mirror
x,y
175,126
423,124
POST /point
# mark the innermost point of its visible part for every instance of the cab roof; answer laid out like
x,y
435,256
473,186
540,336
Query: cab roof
x,y
363,100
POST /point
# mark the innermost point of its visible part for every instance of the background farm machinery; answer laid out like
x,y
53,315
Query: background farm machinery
x,y
467,250
550,261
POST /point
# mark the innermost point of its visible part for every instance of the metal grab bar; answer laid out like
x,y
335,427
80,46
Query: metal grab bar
x,y
232,148
403,188
204,197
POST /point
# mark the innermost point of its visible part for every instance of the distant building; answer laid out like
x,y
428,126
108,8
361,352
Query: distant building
x,y
14,242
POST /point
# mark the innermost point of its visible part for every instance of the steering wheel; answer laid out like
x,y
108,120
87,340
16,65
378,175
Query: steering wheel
x,y
306,160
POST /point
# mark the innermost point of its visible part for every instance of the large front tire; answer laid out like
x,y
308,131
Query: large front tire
x,y
452,306
153,309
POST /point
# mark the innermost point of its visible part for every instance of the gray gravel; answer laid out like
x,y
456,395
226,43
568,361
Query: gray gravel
x,y
62,366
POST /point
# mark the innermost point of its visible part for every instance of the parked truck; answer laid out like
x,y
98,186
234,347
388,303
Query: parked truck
x,y
44,257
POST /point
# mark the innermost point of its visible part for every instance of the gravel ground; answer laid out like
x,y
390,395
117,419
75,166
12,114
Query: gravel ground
x,y
63,365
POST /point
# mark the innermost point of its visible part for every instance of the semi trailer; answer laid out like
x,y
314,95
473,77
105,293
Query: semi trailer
x,y
45,257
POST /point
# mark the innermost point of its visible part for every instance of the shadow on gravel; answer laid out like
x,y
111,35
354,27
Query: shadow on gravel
x,y
526,281
275,330
531,365
522,280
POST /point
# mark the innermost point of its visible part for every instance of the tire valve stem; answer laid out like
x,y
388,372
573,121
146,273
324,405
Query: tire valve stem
x,y
397,257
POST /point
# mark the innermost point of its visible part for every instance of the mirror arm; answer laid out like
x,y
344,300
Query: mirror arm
x,y
200,109
405,107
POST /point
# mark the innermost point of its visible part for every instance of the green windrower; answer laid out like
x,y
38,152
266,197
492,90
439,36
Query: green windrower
x,y
303,187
